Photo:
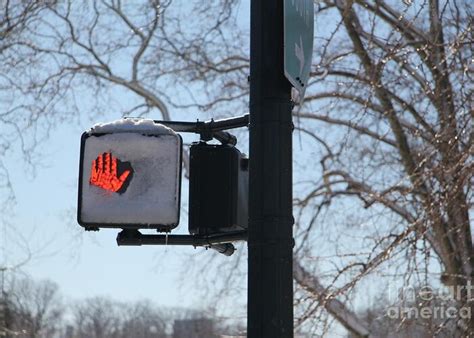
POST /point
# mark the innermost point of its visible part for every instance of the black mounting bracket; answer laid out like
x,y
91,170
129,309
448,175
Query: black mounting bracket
x,y
219,242
210,129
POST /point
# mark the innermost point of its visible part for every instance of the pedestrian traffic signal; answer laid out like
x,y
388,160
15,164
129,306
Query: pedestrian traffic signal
x,y
218,189
130,176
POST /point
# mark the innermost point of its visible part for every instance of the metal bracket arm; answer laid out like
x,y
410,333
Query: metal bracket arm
x,y
219,242
210,129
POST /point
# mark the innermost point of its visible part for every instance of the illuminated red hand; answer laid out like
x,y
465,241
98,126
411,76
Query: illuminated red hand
x,y
104,173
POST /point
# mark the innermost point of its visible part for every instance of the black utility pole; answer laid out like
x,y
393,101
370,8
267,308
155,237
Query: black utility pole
x,y
270,240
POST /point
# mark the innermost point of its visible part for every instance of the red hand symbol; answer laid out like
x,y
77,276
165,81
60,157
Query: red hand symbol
x,y
104,173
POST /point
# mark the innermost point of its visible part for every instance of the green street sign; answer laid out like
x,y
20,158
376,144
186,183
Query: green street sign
x,y
298,40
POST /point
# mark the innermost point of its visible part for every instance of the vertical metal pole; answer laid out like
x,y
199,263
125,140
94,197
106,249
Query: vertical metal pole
x,y
270,242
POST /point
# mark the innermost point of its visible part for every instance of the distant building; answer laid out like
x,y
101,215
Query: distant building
x,y
194,328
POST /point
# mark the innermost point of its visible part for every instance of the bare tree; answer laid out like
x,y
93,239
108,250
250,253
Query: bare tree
x,y
15,19
387,187
96,318
104,318
393,83
34,309
143,320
